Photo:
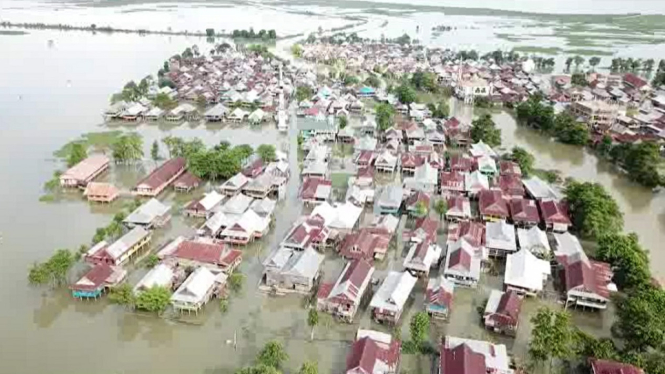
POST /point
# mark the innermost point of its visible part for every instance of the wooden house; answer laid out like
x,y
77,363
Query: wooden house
x,y
161,177
85,171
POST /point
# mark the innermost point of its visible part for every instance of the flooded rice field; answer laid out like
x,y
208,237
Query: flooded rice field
x,y
53,87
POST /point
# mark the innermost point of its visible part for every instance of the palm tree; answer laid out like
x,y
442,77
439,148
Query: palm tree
x,y
569,61
579,60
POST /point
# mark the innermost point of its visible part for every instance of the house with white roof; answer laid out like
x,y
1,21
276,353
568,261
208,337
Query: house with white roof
x,y
487,166
425,179
475,182
386,162
184,111
159,276
247,228
526,273
205,206
197,290
121,250
422,256
234,184
538,189
481,149
388,302
342,217
288,270
535,241
500,238
151,214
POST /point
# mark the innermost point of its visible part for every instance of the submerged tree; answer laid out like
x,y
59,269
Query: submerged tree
x,y
551,336
122,294
484,129
127,148
385,114
272,354
312,320
266,152
77,153
524,159
154,299
308,367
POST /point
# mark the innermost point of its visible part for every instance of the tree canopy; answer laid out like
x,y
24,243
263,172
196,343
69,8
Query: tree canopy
x,y
127,148
122,294
551,336
272,354
569,131
424,81
536,114
593,211
628,259
405,94
641,161
309,367
164,101
77,153
484,129
304,93
385,114
441,110
154,299
524,159
54,271
266,152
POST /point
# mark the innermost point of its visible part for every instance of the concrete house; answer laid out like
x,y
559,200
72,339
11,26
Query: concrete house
x,y
388,302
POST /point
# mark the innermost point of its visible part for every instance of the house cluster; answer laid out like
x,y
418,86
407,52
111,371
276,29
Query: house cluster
x,y
235,86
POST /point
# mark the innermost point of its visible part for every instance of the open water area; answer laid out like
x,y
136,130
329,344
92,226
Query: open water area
x,y
53,88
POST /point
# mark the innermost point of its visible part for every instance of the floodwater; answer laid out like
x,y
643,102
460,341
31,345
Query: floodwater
x,y
50,93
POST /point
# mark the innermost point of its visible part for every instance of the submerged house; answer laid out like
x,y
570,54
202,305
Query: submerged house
x,y
555,215
161,275
101,192
526,274
492,205
473,357
161,177
186,182
459,208
422,257
234,185
85,171
465,254
291,271
502,312
524,212
204,206
367,244
315,191
183,112
439,297
342,299
97,280
247,228
373,352
500,238
390,200
149,215
121,250
388,302
198,289
535,241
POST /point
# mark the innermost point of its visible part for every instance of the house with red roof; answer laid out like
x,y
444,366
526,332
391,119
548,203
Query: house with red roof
x,y
254,168
367,244
452,182
424,229
461,163
161,177
633,81
97,280
409,162
587,283
612,367
511,186
492,205
459,208
502,312
439,298
314,191
201,252
365,158
524,212
555,215
466,253
342,299
373,352
308,231
466,356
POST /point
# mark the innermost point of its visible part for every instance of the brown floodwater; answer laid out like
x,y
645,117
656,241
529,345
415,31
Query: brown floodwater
x,y
52,94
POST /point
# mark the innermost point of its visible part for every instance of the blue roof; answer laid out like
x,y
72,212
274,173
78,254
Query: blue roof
x,y
367,90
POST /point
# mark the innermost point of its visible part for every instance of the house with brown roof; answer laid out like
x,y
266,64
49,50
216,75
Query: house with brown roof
x,y
466,356
492,205
439,297
101,192
461,163
201,252
367,244
253,168
186,182
459,208
85,171
509,168
342,298
511,186
524,212
587,283
315,191
97,280
555,215
612,367
161,177
452,182
424,229
502,312
365,158
373,352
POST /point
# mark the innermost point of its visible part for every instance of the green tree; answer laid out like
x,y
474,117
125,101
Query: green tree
x,y
551,336
266,152
373,81
350,80
100,234
154,299
569,61
442,110
272,354
419,328
151,261
164,101
236,280
441,207
304,93
524,159
587,346
421,209
154,151
641,161
243,151
59,265
122,294
343,122
127,148
38,275
484,129
424,81
594,61
641,318
258,369
308,367
578,60
406,95
312,320
77,153
629,261
605,146
210,32
649,64
385,114
593,211
536,114
296,50
579,79
569,131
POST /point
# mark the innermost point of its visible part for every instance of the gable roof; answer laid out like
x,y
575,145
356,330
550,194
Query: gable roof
x,y
462,360
148,212
353,280
525,270
163,173
524,211
554,212
613,367
491,202
394,291
440,292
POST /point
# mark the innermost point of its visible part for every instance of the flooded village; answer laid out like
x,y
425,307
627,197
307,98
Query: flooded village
x,y
243,195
